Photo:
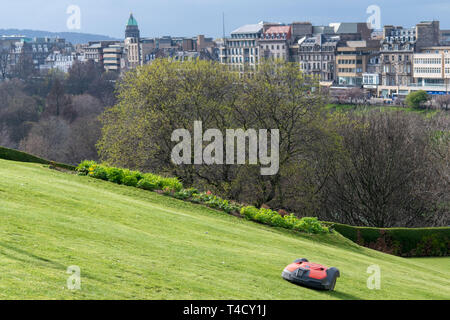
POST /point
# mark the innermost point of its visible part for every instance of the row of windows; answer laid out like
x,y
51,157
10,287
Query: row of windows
x,y
400,57
245,35
273,47
349,61
246,43
316,48
427,60
316,58
242,60
314,66
350,70
428,70
241,51
401,68
274,36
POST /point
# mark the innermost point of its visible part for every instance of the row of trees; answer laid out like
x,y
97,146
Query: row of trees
x,y
379,169
55,115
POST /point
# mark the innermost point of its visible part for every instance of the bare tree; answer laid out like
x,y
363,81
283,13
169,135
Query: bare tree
x,y
354,95
387,175
443,101
5,56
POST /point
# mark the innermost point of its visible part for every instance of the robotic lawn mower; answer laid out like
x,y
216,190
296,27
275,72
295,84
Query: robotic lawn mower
x,y
311,275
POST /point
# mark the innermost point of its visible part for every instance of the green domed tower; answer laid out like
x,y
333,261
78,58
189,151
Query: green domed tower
x,y
132,29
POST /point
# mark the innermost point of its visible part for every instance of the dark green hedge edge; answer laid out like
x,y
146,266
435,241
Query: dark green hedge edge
x,y
404,242
15,155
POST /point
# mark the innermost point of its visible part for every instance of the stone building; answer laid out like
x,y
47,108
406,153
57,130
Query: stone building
x,y
275,42
317,56
132,45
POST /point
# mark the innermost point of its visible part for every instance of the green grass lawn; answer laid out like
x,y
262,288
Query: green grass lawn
x,y
134,244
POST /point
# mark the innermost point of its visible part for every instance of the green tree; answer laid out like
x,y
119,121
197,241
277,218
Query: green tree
x,y
417,99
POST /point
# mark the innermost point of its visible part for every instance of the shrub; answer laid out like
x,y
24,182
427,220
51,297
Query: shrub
x,y
278,221
83,167
171,183
115,175
273,218
249,212
153,178
15,155
417,98
98,172
130,181
407,242
147,184
310,225
185,193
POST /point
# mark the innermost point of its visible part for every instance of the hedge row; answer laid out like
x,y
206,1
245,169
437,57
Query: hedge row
x,y
173,187
273,218
399,241
405,242
15,155
146,181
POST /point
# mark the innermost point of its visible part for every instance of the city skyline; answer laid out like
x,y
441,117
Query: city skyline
x,y
191,17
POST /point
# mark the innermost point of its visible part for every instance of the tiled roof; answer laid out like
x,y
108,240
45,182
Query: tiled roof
x,y
279,29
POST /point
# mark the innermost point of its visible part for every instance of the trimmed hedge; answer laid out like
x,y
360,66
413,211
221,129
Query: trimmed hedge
x,y
129,178
15,155
273,218
405,242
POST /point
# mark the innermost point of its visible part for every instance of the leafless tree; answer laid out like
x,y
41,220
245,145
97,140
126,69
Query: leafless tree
x,y
443,101
387,175
4,62
354,95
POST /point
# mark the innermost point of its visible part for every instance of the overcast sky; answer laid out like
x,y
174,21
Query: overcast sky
x,y
192,17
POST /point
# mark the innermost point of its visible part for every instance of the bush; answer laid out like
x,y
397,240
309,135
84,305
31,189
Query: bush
x,y
406,242
185,193
417,98
15,155
273,218
83,167
171,183
98,172
147,184
310,225
130,181
115,175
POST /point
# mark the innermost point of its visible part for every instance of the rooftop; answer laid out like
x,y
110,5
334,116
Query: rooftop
x,y
132,21
279,29
249,28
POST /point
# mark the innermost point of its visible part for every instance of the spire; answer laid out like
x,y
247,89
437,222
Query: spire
x,y
132,21
132,29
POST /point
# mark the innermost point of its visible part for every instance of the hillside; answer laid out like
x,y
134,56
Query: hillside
x,y
72,37
135,244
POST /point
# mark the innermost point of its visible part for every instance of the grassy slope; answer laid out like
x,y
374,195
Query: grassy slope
x,y
134,244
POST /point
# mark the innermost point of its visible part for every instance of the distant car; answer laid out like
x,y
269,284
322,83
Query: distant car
x,y
311,275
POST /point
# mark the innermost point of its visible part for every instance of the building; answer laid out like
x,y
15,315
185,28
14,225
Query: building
x,y
132,46
241,51
317,56
432,69
112,58
59,61
398,48
352,61
275,42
